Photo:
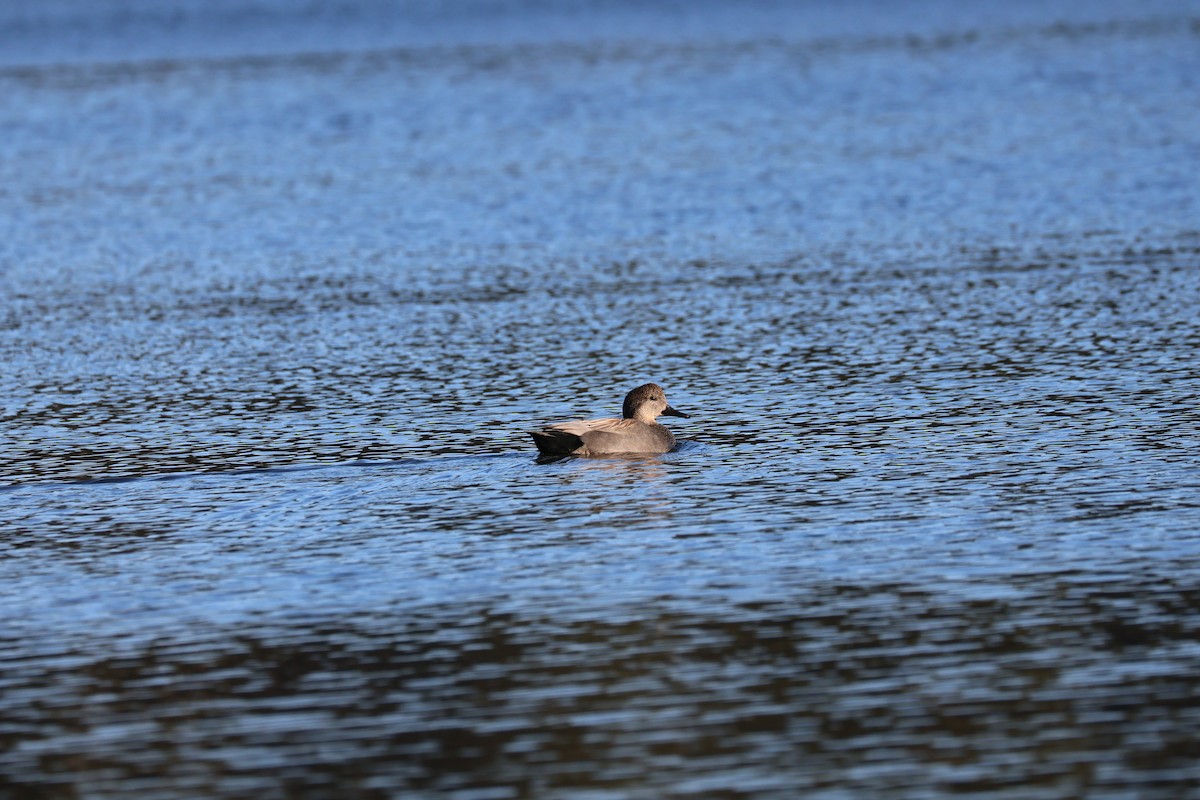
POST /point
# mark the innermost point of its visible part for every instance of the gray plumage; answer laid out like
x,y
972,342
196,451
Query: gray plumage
x,y
637,431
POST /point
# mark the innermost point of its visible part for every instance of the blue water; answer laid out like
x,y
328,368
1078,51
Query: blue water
x,y
284,285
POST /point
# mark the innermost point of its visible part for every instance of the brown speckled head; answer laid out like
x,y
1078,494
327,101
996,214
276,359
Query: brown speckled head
x,y
647,402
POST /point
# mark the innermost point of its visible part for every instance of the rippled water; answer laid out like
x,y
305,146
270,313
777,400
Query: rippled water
x,y
277,309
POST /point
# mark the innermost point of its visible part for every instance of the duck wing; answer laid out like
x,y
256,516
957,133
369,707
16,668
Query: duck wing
x,y
565,438
583,427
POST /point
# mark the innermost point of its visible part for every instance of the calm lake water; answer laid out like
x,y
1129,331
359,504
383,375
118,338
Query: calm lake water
x,y
282,286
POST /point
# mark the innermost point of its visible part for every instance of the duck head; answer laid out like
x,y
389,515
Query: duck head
x,y
647,403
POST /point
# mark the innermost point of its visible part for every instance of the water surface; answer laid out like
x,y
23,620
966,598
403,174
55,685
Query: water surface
x,y
277,305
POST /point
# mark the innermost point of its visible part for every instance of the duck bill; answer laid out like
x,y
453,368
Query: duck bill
x,y
670,412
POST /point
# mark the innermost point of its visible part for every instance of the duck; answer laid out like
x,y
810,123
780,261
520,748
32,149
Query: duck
x,y
636,431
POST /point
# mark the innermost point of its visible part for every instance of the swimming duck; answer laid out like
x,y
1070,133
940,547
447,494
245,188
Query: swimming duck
x,y
636,432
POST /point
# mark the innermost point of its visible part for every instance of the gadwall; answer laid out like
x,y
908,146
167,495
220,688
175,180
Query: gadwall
x,y
636,432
